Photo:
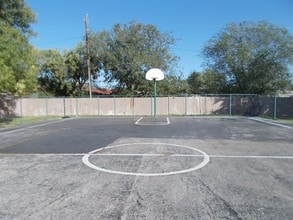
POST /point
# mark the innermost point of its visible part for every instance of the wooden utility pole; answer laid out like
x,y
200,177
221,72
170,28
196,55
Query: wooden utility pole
x,y
88,54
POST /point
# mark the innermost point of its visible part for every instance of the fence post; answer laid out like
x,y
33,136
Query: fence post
x,y
98,104
20,107
46,106
132,105
70,107
205,104
151,106
168,105
21,112
114,105
185,103
230,105
275,107
76,107
64,110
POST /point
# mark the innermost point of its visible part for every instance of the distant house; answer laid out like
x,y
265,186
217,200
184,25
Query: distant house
x,y
97,91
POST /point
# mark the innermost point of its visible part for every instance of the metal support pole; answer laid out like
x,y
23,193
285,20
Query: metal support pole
x,y
152,109
155,98
275,107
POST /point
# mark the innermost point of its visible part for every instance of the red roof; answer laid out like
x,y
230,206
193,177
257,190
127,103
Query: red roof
x,y
102,91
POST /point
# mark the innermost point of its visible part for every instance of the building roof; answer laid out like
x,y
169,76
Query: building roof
x,y
97,91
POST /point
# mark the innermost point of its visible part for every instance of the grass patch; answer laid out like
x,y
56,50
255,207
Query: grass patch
x,y
289,121
22,121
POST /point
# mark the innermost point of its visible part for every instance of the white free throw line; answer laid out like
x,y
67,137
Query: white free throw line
x,y
149,155
150,123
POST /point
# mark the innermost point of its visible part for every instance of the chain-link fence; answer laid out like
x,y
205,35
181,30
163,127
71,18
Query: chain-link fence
x,y
207,104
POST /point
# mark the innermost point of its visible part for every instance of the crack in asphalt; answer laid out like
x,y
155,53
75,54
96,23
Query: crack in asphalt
x,y
226,204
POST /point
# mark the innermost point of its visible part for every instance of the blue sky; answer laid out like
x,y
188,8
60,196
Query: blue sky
x,y
60,23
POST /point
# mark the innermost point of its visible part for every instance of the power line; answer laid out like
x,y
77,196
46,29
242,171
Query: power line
x,y
55,42
185,49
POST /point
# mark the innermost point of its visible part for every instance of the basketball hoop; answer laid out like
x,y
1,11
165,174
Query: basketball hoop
x,y
154,74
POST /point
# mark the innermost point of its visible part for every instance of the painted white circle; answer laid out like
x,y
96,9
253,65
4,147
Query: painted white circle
x,y
85,160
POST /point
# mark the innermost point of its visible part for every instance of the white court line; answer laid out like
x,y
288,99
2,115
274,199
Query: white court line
x,y
149,155
150,123
34,126
194,155
204,162
138,120
152,155
252,157
168,121
45,154
270,122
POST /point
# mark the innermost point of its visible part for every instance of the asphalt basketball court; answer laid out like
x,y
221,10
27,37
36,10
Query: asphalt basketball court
x,y
148,168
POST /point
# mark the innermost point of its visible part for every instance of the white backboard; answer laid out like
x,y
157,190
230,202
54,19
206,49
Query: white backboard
x,y
154,73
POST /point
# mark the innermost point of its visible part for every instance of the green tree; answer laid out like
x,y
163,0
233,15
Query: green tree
x,y
17,14
76,65
53,78
195,82
17,69
172,84
207,81
291,86
253,57
213,82
129,51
